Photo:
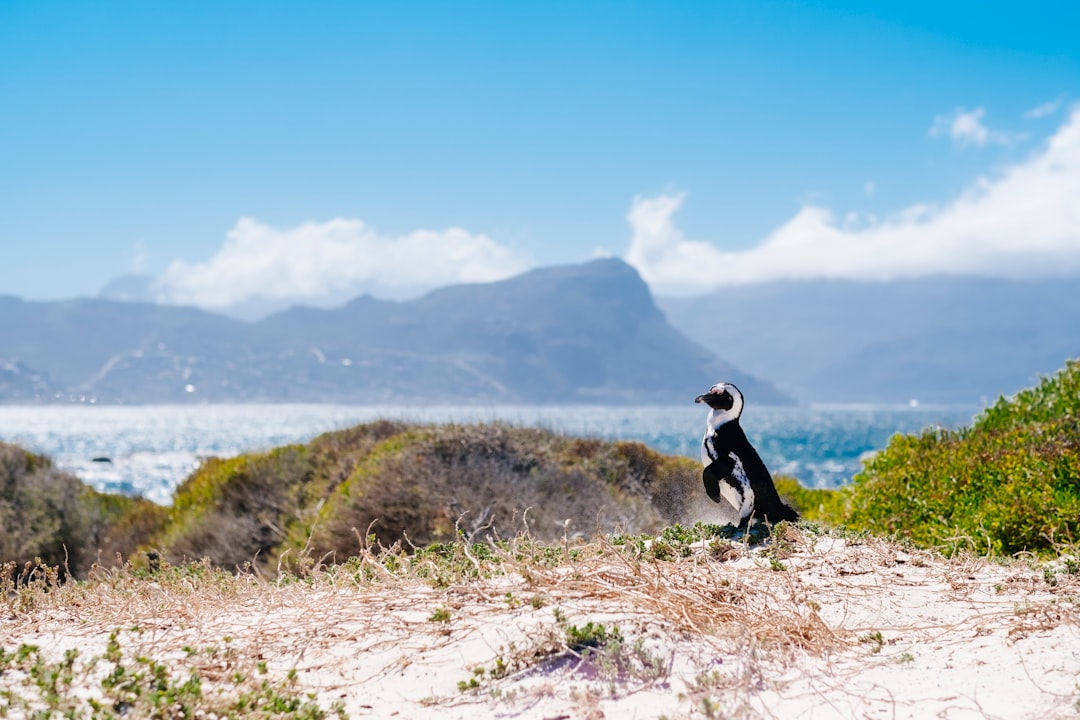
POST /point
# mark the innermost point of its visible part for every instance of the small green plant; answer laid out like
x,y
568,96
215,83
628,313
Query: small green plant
x,y
590,635
500,669
440,615
142,687
474,682
602,649
471,684
875,640
662,550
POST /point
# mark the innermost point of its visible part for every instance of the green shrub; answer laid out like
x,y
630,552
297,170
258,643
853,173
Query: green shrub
x,y
428,483
423,483
235,511
813,504
242,509
51,515
131,525
1009,483
1055,399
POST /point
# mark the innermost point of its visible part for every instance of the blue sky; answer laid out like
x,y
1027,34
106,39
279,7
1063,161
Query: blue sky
x,y
308,151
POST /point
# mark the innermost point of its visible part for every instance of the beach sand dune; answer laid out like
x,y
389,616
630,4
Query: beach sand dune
x,y
808,625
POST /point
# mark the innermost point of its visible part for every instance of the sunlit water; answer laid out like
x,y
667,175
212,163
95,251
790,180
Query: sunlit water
x,y
152,448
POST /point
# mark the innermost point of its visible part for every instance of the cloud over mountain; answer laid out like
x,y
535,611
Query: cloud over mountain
x,y
1023,223
321,263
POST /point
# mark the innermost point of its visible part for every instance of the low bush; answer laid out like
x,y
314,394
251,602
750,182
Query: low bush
x,y
1009,483
234,511
51,515
813,504
418,484
240,510
427,484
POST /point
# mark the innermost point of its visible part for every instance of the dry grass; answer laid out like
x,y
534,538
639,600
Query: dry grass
x,y
692,625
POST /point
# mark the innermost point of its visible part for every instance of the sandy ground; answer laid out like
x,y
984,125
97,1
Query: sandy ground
x,y
827,628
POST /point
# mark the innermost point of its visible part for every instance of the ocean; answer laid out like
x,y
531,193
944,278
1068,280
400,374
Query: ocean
x,y
152,448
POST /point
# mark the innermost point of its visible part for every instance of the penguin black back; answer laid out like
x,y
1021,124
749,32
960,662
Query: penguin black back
x,y
733,470
767,503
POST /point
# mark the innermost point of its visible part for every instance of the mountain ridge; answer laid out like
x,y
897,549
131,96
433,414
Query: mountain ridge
x,y
588,333
941,339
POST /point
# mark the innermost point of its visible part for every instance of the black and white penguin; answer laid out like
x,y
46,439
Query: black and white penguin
x,y
733,470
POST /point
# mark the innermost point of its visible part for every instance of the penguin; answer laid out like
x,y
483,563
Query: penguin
x,y
733,471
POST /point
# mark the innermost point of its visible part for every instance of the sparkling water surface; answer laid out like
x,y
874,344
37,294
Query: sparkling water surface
x,y
151,448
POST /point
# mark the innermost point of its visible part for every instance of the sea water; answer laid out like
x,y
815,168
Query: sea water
x,y
148,450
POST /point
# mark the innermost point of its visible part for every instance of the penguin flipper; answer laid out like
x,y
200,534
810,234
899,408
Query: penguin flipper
x,y
716,477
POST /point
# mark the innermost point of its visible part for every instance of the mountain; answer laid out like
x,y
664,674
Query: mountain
x,y
940,340
583,333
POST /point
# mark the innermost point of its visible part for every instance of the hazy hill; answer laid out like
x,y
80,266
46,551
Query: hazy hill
x,y
581,333
943,339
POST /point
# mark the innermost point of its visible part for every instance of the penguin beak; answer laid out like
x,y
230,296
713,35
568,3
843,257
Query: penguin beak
x,y
702,398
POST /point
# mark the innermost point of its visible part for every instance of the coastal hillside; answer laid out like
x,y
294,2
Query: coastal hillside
x,y
1005,485
961,340
586,333
381,482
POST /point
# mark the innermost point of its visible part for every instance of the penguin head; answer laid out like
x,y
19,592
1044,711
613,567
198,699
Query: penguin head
x,y
725,399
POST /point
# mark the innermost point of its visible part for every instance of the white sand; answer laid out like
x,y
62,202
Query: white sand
x,y
842,629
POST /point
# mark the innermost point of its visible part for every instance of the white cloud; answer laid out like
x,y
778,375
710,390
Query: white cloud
x,y
1024,223
322,263
1047,108
869,188
967,128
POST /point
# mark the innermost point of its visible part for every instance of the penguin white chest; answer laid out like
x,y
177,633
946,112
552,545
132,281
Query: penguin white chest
x,y
739,493
735,488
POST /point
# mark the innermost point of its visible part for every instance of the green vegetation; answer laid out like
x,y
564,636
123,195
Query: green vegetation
x,y
1008,484
50,515
418,485
241,510
300,505
592,649
142,687
428,483
813,504
591,635
678,541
